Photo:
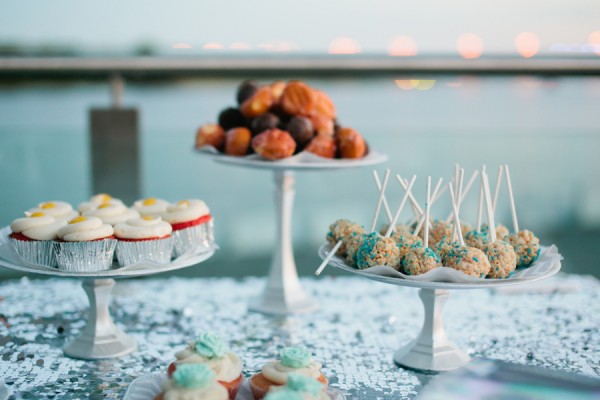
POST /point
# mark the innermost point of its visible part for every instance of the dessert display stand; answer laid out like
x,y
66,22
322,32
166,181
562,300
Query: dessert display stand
x,y
432,350
101,339
283,293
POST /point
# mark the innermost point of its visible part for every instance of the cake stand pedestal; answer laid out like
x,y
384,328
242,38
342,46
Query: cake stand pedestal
x,y
283,293
432,350
100,338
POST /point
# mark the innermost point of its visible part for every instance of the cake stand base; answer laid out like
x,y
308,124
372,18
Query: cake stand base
x,y
100,338
432,350
276,303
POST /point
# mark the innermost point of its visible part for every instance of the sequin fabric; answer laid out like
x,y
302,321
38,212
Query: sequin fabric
x,y
359,326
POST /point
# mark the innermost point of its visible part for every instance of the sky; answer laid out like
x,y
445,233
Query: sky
x,y
432,26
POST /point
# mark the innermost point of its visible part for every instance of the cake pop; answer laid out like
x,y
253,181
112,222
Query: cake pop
x,y
342,230
377,250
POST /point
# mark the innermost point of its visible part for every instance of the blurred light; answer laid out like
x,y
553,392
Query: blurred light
x,y
181,45
239,46
594,40
344,45
403,46
559,47
419,84
454,84
213,46
469,45
527,44
279,46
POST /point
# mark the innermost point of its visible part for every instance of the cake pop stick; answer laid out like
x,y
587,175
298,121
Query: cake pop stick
x,y
465,192
488,207
497,188
400,207
386,178
417,211
328,258
481,194
386,206
455,214
416,208
512,200
427,210
461,177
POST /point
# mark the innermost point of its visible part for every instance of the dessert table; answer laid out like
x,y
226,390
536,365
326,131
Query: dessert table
x,y
553,324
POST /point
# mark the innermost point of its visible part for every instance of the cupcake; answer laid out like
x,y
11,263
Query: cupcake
x,y
85,244
193,382
295,360
208,349
57,209
151,207
32,237
112,213
96,200
299,387
143,239
192,226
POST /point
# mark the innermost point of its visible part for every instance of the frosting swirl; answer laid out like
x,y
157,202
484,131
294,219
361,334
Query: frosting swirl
x,y
142,228
96,200
185,210
194,382
112,213
83,229
151,207
56,209
293,360
38,226
295,357
228,367
298,387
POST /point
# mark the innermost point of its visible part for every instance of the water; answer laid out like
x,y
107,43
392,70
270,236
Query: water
x,y
545,129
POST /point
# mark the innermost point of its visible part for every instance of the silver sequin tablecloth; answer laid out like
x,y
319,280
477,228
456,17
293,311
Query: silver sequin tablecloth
x,y
360,324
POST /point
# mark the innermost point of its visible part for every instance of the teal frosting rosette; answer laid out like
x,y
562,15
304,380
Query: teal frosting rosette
x,y
304,384
210,346
295,357
193,376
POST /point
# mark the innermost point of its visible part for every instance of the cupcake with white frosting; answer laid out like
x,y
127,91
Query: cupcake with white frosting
x,y
112,213
96,200
299,387
193,382
151,207
85,244
32,237
57,209
143,239
208,349
292,360
192,226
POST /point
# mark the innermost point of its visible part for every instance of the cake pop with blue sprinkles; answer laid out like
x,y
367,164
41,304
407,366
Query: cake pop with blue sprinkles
x,y
377,250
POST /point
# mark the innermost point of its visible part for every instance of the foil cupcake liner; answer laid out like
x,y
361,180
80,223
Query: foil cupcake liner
x,y
90,256
35,251
131,252
193,239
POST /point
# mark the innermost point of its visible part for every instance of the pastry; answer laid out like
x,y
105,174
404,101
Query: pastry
x,y
143,239
193,382
274,144
323,146
237,141
192,226
210,135
32,237
350,143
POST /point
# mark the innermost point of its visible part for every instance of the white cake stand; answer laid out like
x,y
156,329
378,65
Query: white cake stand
x,y
432,350
100,338
283,293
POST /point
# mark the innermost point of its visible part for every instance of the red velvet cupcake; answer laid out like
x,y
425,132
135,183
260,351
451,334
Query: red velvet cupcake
x,y
144,239
192,226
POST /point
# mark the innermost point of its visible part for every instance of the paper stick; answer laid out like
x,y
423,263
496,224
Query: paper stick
x,y
497,188
427,210
481,194
465,192
400,207
386,178
417,211
455,214
488,207
512,200
386,206
461,177
328,258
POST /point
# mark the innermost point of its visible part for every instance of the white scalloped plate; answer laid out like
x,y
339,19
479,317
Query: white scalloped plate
x,y
548,264
301,161
149,386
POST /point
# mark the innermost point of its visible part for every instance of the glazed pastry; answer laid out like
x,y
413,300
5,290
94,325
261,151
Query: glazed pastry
x,y
299,387
324,106
323,146
274,144
192,226
323,126
259,103
245,91
292,360
237,141
264,123
210,135
301,129
143,239
231,118
112,213
299,99
57,209
151,207
85,244
193,382
350,143
96,200
32,237
210,350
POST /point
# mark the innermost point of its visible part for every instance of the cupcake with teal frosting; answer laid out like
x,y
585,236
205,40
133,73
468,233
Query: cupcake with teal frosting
x,y
208,349
292,361
193,381
299,387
